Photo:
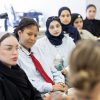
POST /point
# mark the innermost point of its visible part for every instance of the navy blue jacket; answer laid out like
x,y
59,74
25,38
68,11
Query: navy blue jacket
x,y
73,33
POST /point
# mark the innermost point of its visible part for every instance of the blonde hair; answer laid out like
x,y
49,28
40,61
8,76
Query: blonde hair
x,y
85,65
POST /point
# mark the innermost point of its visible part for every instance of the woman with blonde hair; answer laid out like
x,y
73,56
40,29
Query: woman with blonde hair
x,y
85,70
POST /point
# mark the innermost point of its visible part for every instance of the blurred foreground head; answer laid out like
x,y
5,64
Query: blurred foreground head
x,y
85,65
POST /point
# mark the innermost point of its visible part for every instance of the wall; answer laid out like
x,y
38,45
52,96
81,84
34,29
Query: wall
x,y
49,7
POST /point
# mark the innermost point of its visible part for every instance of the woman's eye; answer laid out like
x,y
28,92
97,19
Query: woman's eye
x,y
58,26
51,27
29,34
9,49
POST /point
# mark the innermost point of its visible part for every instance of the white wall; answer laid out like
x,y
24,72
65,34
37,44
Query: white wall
x,y
97,4
49,7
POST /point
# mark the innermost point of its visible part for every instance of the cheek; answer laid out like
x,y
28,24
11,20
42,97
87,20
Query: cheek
x,y
50,31
4,55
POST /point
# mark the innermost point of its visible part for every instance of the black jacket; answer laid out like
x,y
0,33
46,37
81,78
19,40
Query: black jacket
x,y
92,26
14,85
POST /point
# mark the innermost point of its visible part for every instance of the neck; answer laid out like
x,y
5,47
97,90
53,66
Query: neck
x,y
28,49
7,65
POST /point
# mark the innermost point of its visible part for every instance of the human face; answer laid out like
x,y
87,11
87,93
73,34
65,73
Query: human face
x,y
78,23
65,17
28,36
91,13
55,28
9,51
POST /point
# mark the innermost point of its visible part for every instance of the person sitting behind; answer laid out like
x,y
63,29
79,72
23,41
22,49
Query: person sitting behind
x,y
14,84
26,32
77,22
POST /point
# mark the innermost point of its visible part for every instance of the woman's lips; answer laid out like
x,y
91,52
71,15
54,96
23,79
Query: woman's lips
x,y
15,58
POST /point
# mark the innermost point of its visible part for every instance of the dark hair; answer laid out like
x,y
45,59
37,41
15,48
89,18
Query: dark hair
x,y
25,22
63,8
90,5
85,65
5,36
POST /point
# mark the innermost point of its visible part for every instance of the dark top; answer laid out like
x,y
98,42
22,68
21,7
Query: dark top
x,y
73,33
92,26
14,85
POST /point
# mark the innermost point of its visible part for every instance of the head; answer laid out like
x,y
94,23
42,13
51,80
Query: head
x,y
85,65
53,26
26,32
8,49
77,21
91,11
64,14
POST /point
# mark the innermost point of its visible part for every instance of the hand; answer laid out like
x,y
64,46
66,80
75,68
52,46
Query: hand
x,y
64,72
64,86
60,87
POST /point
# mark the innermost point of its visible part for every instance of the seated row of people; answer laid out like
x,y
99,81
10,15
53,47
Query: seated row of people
x,y
44,62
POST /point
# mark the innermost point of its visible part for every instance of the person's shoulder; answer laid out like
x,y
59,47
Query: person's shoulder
x,y
73,29
85,31
68,38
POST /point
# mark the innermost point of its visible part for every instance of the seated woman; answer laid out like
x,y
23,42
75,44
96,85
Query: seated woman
x,y
85,70
14,84
64,14
42,76
77,22
91,23
56,45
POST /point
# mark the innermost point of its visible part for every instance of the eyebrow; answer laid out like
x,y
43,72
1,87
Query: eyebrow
x,y
10,45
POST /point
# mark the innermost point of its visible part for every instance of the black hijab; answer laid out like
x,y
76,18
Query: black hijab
x,y
64,26
55,40
69,29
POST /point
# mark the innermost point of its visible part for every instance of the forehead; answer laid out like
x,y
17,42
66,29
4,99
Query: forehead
x,y
9,41
54,22
91,8
32,28
78,19
65,12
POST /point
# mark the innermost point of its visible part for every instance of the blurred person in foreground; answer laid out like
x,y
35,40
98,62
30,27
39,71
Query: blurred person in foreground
x,y
85,70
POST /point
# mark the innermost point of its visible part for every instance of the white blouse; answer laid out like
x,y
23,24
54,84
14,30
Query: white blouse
x,y
51,51
25,62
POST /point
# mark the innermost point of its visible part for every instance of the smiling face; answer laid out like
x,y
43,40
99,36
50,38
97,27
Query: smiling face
x,y
9,51
65,17
28,36
78,23
55,28
91,12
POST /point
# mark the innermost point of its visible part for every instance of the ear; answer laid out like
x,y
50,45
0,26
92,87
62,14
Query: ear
x,y
19,33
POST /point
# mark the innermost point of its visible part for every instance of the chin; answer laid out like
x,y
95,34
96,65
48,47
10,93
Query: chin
x,y
13,63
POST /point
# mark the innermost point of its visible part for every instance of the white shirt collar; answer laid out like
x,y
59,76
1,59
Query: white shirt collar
x,y
24,50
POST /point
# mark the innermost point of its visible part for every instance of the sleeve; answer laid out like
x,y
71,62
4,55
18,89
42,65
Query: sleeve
x,y
57,75
43,87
